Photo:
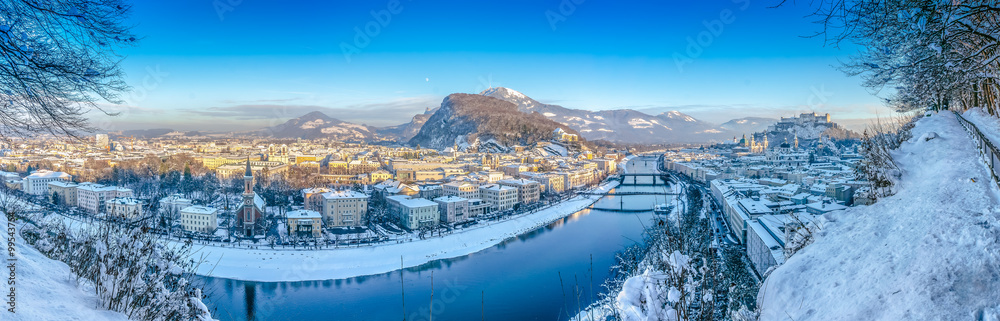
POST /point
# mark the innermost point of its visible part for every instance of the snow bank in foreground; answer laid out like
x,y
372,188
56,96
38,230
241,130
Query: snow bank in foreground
x,y
988,125
46,290
930,252
303,265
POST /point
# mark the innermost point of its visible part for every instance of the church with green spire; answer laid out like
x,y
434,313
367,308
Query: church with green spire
x,y
250,214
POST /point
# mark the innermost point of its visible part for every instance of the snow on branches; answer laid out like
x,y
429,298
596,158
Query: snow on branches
x,y
130,270
932,54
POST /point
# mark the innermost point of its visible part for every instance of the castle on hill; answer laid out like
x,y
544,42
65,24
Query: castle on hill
x,y
789,134
804,120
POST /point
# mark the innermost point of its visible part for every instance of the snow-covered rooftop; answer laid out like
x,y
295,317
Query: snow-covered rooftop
x,y
450,199
496,187
62,184
48,174
823,207
95,187
344,194
314,190
519,181
303,214
199,209
125,201
411,202
754,207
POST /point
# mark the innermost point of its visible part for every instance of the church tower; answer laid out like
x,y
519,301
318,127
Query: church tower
x,y
248,214
765,142
797,141
248,185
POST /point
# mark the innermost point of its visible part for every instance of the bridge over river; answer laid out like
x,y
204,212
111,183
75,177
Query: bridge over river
x,y
635,184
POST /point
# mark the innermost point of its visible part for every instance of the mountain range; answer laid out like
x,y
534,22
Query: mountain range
x,y
318,125
616,125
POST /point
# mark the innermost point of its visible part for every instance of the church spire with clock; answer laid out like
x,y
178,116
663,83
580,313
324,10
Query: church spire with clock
x,y
250,214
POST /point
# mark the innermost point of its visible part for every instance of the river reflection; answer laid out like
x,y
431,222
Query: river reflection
x,y
546,274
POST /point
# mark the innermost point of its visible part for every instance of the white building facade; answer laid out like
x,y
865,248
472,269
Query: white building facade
x,y
464,190
91,197
344,208
38,182
503,197
414,213
62,193
124,207
453,208
199,219
528,191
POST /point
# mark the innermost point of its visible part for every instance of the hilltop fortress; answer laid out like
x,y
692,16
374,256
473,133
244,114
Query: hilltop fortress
x,y
804,120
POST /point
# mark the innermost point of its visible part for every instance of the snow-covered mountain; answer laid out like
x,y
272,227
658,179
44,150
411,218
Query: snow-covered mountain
x,y
748,124
318,125
480,121
620,125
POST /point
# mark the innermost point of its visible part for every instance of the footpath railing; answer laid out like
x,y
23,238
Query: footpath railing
x,y
989,151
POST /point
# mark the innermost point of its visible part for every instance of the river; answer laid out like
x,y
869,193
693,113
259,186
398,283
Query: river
x,y
542,275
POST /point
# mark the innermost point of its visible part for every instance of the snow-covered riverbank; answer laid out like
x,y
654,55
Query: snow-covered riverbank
x,y
301,265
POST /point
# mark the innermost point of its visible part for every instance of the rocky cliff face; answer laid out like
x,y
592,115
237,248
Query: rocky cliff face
x,y
466,120
405,132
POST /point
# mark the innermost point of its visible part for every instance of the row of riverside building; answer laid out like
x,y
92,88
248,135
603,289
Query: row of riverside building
x,y
421,206
92,198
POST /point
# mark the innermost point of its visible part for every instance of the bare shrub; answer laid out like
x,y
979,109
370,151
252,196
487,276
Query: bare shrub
x,y
130,270
877,165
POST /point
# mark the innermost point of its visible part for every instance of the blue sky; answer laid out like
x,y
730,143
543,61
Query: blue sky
x,y
244,64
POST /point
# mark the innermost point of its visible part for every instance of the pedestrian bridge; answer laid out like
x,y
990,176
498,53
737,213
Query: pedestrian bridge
x,y
623,210
627,193
644,179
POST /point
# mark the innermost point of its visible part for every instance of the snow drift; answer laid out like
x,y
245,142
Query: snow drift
x,y
929,252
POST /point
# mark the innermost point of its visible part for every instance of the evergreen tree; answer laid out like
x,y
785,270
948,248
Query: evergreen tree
x,y
187,171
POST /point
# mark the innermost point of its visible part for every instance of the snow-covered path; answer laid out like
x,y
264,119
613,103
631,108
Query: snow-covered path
x,y
930,252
